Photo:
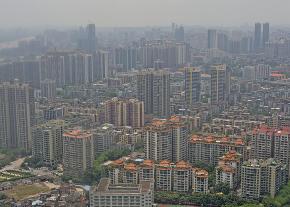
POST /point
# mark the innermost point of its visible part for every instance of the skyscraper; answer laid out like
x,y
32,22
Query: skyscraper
x,y
211,39
16,115
179,34
220,84
91,38
153,88
192,86
258,36
266,33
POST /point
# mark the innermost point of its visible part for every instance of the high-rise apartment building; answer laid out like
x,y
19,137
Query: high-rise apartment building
x,y
266,34
68,68
47,142
182,177
164,177
48,88
153,88
258,36
16,115
229,169
220,84
166,139
91,38
209,149
262,142
126,112
212,39
179,34
103,138
262,177
125,58
101,65
169,54
199,181
192,86
269,142
167,176
78,152
25,71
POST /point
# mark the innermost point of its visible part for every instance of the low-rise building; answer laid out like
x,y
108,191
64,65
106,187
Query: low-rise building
x,y
106,194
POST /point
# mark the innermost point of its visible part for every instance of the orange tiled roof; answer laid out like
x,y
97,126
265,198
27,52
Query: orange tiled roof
x,y
200,172
227,168
130,167
164,163
77,134
118,162
183,165
148,163
230,156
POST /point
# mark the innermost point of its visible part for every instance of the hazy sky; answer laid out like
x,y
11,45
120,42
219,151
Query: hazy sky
x,y
14,13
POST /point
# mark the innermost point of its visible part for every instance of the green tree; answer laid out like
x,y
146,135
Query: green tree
x,y
2,196
222,188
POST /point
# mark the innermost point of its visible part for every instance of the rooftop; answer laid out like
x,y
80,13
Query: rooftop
x,y
214,139
123,188
77,134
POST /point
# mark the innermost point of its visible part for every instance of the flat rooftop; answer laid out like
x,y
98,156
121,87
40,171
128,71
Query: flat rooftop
x,y
105,186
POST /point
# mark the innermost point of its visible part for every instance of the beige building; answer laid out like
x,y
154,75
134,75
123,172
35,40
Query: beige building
x,y
78,152
262,177
229,169
167,176
106,194
182,177
166,139
164,176
209,149
16,115
147,170
124,112
199,181
47,142
269,142
130,173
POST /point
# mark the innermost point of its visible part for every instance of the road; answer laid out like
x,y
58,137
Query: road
x,y
15,165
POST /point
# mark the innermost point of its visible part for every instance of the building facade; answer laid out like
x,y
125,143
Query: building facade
x,y
153,88
47,142
78,152
17,113
106,194
192,86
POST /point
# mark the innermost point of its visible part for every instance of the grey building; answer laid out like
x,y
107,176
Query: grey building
x,y
16,115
